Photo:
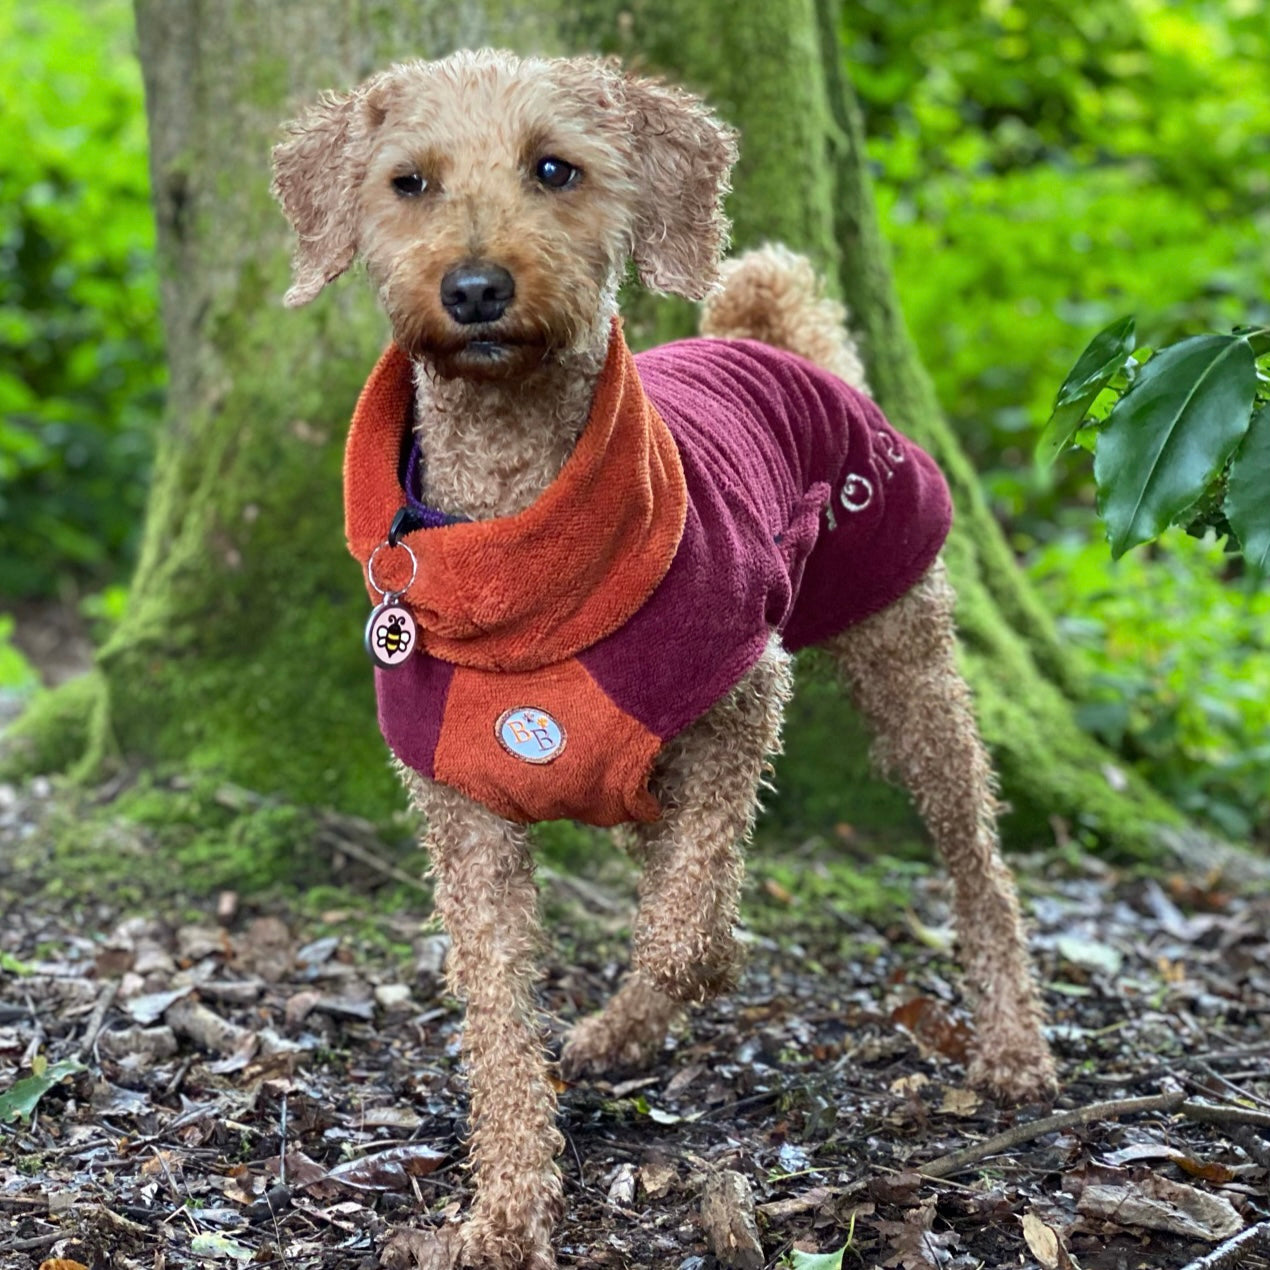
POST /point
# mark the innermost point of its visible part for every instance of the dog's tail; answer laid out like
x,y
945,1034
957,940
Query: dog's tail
x,y
774,295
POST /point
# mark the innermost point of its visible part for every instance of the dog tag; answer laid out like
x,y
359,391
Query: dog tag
x,y
391,633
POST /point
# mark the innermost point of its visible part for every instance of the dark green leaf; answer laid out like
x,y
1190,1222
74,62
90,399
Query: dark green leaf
x,y
1171,435
1105,354
1247,504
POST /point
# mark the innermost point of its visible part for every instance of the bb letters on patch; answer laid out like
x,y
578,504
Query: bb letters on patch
x,y
530,734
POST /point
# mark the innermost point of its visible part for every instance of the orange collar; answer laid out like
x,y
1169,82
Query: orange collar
x,y
525,591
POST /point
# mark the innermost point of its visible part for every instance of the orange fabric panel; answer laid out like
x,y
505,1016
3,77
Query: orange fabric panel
x,y
600,774
523,591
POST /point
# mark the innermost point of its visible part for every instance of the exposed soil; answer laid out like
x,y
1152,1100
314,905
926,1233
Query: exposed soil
x,y
240,1086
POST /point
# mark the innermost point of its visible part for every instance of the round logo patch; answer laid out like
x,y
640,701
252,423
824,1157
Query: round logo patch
x,y
390,634
530,734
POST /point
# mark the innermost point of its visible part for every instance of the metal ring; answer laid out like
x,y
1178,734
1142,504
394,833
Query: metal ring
x,y
370,568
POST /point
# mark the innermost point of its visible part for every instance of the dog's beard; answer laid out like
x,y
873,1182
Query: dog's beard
x,y
482,352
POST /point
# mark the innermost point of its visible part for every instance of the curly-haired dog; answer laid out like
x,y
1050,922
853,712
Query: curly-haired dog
x,y
589,567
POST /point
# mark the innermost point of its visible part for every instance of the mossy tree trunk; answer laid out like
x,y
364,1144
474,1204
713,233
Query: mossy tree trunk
x,y
241,649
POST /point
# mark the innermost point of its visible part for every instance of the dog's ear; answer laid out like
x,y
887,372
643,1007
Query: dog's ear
x,y
317,173
684,156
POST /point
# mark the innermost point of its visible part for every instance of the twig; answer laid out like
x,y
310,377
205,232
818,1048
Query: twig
x,y
30,1245
1211,1113
1113,1110
97,1018
364,855
1233,1251
1228,1083
1191,1061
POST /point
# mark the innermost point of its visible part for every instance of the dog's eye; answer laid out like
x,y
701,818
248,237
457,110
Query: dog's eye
x,y
409,184
556,173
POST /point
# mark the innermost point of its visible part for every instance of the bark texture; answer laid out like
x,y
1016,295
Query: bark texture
x,y
241,649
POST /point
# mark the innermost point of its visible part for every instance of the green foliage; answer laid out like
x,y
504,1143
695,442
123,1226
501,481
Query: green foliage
x,y
16,676
1163,450
81,367
1247,505
1179,670
1043,167
1108,356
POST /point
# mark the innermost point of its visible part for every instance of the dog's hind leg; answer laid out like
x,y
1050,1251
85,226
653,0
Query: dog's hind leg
x,y
487,899
900,668
707,780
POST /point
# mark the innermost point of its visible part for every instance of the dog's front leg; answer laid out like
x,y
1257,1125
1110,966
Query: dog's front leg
x,y
708,781
486,897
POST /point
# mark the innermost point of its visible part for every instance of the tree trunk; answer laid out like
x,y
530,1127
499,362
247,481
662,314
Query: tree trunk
x,y
240,653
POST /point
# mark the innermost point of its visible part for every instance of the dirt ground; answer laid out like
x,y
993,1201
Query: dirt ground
x,y
234,1085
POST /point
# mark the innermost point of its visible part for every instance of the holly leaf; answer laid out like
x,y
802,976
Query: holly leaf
x,y
1247,504
1171,434
1095,368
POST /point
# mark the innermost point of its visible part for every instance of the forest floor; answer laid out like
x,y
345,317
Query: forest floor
x,y
240,1083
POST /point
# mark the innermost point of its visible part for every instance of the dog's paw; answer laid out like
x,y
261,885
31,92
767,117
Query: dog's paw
x,y
473,1245
487,1246
599,1045
1016,1071
692,981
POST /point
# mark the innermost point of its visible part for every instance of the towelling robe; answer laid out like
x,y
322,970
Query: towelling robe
x,y
720,490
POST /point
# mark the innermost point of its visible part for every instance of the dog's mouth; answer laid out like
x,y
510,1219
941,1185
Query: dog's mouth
x,y
484,352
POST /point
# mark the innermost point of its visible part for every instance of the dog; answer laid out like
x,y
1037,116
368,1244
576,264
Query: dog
x,y
588,570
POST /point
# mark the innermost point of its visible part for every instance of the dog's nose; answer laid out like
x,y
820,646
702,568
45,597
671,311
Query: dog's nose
x,y
477,293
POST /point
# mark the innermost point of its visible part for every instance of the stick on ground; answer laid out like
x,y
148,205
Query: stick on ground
x,y
1255,1239
955,1162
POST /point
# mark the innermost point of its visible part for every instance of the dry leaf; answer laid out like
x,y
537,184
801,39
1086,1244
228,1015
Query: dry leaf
x,y
1046,1244
934,1029
1155,1203
960,1102
657,1177
910,1084
388,1170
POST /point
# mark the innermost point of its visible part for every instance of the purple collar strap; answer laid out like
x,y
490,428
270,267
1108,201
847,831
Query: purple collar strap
x,y
415,513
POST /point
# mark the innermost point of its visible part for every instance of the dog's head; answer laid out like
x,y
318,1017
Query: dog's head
x,y
496,199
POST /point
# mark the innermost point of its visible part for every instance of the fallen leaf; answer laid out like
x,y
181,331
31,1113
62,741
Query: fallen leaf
x,y
1046,1245
657,1177
1090,954
1206,1170
19,1101
816,1260
960,1102
934,1029
388,1170
150,1007
214,1245
1155,1203
910,1084
621,1193
914,1245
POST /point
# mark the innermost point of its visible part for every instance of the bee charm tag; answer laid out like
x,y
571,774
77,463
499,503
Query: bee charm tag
x,y
390,633
391,630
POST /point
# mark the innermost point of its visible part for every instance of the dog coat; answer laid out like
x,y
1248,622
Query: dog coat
x,y
719,490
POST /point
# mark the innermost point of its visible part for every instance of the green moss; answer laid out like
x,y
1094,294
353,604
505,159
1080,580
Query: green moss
x,y
824,779
53,732
167,841
811,891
